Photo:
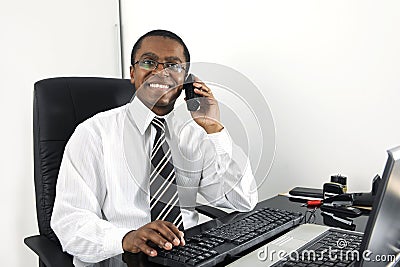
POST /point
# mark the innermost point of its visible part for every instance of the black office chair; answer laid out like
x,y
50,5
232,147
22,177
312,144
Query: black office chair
x,y
59,105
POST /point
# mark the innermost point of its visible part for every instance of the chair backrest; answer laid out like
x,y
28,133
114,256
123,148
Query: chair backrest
x,y
59,105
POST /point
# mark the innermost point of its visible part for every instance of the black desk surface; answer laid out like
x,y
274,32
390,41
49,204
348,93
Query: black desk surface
x,y
279,202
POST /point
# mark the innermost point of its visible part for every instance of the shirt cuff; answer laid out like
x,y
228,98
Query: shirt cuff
x,y
113,241
222,142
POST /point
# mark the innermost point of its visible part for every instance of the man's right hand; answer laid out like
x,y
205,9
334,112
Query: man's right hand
x,y
161,233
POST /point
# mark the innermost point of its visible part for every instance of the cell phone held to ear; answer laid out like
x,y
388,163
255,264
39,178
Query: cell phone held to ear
x,y
192,101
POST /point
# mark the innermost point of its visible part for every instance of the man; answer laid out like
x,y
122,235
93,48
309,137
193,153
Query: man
x,y
131,175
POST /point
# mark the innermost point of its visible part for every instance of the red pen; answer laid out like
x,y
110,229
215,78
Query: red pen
x,y
314,203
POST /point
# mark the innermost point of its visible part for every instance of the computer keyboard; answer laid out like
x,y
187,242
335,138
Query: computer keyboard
x,y
214,245
333,248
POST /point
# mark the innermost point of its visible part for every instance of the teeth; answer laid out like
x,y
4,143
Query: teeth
x,y
157,85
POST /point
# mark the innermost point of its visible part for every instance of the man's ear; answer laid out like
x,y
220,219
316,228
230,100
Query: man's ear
x,y
132,74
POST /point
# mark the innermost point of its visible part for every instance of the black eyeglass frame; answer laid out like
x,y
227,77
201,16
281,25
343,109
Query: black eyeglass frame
x,y
164,64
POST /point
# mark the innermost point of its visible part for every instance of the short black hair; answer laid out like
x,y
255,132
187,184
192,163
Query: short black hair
x,y
162,33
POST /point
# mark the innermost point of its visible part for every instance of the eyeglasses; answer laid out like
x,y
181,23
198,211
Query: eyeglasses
x,y
149,64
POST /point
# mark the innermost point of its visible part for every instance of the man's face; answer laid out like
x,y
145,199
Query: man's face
x,y
158,89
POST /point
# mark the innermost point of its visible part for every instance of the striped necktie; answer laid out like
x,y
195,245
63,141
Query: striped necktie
x,y
164,200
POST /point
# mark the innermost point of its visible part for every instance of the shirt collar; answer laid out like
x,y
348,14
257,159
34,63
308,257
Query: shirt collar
x,y
143,116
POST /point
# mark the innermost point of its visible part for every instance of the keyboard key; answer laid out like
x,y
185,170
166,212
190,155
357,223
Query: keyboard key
x,y
175,257
183,259
289,264
201,258
193,261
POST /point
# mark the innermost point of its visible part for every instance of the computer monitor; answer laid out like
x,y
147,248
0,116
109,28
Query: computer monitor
x,y
381,244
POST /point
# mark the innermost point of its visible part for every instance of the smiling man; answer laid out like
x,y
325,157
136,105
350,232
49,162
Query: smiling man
x,y
158,92
132,174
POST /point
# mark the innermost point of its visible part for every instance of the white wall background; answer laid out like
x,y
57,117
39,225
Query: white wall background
x,y
329,70
41,39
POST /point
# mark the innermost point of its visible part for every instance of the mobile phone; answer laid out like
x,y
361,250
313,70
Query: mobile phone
x,y
192,101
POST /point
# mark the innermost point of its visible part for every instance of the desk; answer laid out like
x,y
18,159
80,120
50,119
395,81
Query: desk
x,y
280,202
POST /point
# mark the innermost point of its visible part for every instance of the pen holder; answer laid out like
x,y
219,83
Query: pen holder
x,y
340,180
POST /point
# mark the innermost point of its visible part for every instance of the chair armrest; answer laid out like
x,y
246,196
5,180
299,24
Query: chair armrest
x,y
48,251
211,212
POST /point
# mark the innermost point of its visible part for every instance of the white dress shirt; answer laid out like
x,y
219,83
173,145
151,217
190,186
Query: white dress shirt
x,y
102,190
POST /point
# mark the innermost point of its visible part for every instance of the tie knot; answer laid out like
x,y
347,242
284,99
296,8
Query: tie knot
x,y
159,123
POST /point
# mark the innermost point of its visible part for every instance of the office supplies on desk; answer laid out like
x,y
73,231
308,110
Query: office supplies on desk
x,y
339,200
381,236
300,199
214,245
342,211
306,192
337,186
339,179
341,206
331,219
332,189
313,203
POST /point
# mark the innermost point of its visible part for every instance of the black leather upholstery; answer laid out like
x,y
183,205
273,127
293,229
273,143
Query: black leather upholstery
x,y
60,104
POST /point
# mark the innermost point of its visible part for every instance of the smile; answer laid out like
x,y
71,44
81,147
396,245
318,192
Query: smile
x,y
157,85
